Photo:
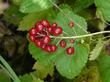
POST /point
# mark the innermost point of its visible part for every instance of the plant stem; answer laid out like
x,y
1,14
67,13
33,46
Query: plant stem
x,y
82,36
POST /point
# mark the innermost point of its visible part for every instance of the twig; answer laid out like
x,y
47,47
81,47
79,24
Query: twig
x,y
82,36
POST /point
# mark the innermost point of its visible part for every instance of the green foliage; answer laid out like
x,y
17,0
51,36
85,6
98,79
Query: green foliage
x,y
4,77
104,67
30,19
82,4
97,50
71,66
29,6
12,15
30,78
90,74
26,78
103,9
17,2
44,68
80,27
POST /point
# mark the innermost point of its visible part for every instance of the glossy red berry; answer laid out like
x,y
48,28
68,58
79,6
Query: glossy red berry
x,y
46,39
45,23
39,27
32,38
57,31
72,40
70,50
32,32
71,24
43,46
54,25
50,30
53,48
38,43
62,43
48,48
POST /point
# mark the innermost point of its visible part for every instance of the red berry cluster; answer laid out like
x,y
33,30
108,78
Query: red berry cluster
x,y
40,35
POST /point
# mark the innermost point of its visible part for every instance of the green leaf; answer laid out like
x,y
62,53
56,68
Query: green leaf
x,y
104,67
82,4
28,6
71,66
103,9
29,20
43,68
36,52
30,78
80,25
26,78
97,50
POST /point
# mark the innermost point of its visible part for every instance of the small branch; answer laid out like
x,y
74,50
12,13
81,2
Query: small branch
x,y
82,36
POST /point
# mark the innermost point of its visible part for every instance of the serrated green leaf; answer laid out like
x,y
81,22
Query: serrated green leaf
x,y
82,4
103,9
71,66
80,25
43,68
104,67
97,50
28,6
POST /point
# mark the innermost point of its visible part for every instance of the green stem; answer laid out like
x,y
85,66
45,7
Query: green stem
x,y
10,70
82,36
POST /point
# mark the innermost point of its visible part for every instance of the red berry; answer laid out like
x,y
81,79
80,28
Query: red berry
x,y
38,43
50,30
32,38
48,48
39,27
62,43
43,46
46,39
45,23
53,48
72,40
57,31
32,32
54,25
70,50
71,24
